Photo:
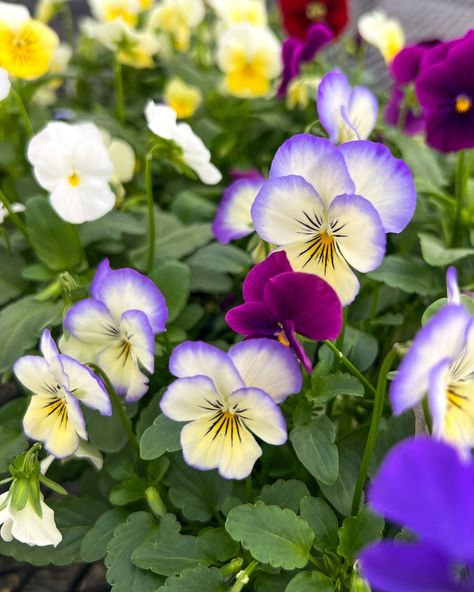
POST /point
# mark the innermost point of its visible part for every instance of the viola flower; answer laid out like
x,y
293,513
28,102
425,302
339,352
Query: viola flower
x,y
58,384
329,208
233,219
280,302
296,52
161,120
301,91
426,487
346,113
71,162
27,46
126,310
446,94
232,12
383,32
177,18
226,399
250,58
182,97
440,364
122,156
110,10
299,15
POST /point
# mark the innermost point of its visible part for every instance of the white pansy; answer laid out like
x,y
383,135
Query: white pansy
x,y
162,122
111,10
383,32
122,156
232,12
13,14
71,162
178,19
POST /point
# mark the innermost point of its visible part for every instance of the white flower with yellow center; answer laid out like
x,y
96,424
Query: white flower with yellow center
x,y
110,10
58,383
231,12
71,162
177,18
250,58
183,98
383,32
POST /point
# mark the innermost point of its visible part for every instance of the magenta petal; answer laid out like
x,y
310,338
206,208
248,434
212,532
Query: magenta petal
x,y
307,300
259,275
297,347
252,319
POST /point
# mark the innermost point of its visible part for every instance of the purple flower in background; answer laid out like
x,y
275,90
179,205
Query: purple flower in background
x,y
296,52
280,302
233,219
445,89
346,112
427,487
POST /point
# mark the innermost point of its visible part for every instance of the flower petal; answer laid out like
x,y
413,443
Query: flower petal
x,y
267,365
383,180
187,399
437,395
161,120
29,528
252,319
90,320
258,276
90,200
454,295
333,92
35,375
362,112
86,386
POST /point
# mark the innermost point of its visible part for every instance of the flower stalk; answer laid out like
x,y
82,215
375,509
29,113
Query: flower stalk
x,y
350,366
23,112
17,221
462,177
243,577
151,213
119,94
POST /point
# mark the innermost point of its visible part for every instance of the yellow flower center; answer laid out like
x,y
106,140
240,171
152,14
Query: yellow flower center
x,y
74,179
115,12
281,337
316,11
463,104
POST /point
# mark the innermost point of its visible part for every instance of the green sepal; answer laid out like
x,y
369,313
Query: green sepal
x,y
35,496
50,484
19,494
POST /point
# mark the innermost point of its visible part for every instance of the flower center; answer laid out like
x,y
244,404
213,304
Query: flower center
x,y
463,104
282,338
115,12
74,180
316,11
58,406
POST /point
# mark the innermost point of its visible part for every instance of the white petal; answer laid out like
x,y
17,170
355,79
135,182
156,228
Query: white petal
x,y
91,160
187,399
90,321
161,120
91,453
123,159
5,84
35,375
362,111
77,349
90,200
437,394
85,386
29,528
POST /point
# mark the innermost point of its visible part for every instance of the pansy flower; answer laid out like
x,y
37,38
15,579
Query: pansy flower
x,y
280,302
58,383
383,32
440,364
228,398
346,113
329,208
178,19
300,15
118,324
426,487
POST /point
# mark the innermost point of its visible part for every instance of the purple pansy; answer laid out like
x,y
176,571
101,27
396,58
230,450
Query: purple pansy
x,y
280,302
427,487
445,89
296,52
233,219
228,398
117,325
329,208
346,113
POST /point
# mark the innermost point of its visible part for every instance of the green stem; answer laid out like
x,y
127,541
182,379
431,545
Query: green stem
x,y
373,430
350,366
23,112
117,404
17,221
249,488
462,177
119,96
151,213
243,577
68,23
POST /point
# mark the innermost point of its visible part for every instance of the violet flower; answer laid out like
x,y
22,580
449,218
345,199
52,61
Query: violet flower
x,y
296,52
280,302
427,487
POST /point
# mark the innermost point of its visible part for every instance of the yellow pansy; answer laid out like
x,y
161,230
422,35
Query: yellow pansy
x,y
146,4
177,18
385,33
250,57
46,9
184,98
300,92
106,11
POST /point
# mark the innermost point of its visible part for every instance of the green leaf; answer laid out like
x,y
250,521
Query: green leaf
x,y
196,493
408,274
310,581
20,326
433,308
218,545
168,553
199,579
192,208
105,432
161,437
112,226
56,243
12,283
424,162
209,281
222,258
127,492
12,438
361,348
315,448
357,532
122,574
94,544
173,279
340,493
271,535
321,520
437,254
325,388
286,494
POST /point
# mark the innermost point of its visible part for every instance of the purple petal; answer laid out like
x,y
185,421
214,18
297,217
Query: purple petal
x,y
427,487
258,276
233,219
406,567
333,92
297,347
290,51
317,37
406,64
252,319
414,119
308,301
383,180
454,295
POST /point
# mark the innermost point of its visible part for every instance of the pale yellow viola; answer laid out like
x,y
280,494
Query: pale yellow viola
x,y
178,19
231,12
106,11
383,32
182,97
